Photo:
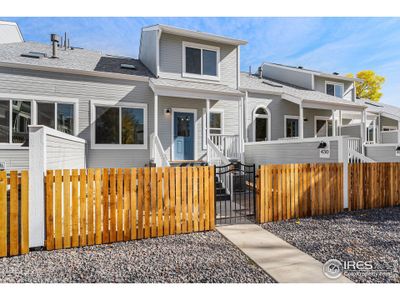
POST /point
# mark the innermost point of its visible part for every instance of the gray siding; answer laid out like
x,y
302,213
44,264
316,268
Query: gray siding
x,y
290,76
229,108
352,131
285,153
85,89
15,159
388,122
171,59
382,153
389,137
64,154
148,50
278,109
319,85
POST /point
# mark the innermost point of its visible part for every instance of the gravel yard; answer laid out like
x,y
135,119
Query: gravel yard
x,y
197,257
367,235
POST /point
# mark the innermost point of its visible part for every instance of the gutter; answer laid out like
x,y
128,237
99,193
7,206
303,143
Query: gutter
x,y
74,71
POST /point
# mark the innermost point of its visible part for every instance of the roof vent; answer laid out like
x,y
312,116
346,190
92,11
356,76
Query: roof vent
x,y
335,73
300,67
33,54
128,66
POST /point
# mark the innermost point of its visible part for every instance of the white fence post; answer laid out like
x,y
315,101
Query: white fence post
x,y
344,158
37,168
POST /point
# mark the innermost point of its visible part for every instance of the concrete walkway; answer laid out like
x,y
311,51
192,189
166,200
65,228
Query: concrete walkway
x,y
279,259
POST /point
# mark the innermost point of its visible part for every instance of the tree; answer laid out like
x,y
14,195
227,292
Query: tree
x,y
371,87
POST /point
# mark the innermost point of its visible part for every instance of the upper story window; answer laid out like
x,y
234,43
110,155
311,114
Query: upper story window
x,y
334,89
200,61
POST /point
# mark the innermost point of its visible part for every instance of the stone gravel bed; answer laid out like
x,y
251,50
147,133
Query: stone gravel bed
x,y
196,257
366,235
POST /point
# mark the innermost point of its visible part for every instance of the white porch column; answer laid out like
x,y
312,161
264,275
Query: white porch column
x,y
378,140
208,127
245,137
241,144
398,132
340,123
363,129
155,114
301,121
333,123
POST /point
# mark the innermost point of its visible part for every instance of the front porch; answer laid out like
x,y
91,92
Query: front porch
x,y
195,124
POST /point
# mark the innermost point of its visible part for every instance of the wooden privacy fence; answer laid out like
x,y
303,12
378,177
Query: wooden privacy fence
x,y
373,185
95,206
298,190
14,226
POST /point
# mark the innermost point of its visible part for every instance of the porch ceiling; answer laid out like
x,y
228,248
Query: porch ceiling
x,y
194,90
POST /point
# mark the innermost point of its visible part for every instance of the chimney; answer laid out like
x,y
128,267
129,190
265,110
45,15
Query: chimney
x,y
54,41
260,71
249,70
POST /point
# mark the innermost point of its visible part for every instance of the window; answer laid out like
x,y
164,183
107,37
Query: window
x,y
323,127
59,116
216,124
334,89
200,61
115,125
261,126
19,121
291,126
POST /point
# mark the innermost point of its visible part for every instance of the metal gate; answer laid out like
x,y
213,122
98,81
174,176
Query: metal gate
x,y
235,193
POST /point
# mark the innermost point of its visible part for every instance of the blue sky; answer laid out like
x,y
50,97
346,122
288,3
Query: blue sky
x,y
329,44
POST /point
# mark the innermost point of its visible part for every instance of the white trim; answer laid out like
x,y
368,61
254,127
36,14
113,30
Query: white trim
x,y
238,68
196,35
268,117
94,103
334,83
322,118
75,72
201,47
298,141
204,126
285,117
187,110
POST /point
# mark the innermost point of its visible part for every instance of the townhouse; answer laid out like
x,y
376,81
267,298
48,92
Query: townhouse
x,y
183,101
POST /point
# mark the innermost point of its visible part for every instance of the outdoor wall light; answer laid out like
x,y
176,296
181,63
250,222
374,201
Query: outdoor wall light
x,y
167,111
322,145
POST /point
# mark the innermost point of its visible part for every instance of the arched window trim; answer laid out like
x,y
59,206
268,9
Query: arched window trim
x,y
267,116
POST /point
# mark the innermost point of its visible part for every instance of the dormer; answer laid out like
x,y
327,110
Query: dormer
x,y
182,54
332,84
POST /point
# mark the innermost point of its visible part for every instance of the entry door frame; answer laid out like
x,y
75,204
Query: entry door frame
x,y
183,110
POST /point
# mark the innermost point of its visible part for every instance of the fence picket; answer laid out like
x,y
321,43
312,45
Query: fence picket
x,y
133,214
160,211
98,233
49,211
57,210
127,205
120,205
153,202
178,203
147,191
172,200
106,218
90,218
82,206
113,206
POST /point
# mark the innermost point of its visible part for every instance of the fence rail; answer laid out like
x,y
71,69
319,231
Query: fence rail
x,y
298,190
96,206
14,211
373,185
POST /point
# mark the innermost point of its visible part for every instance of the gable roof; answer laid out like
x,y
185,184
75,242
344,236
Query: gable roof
x,y
314,72
196,34
386,110
70,59
255,84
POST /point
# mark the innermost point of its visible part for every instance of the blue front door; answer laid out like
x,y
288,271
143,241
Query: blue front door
x,y
183,136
